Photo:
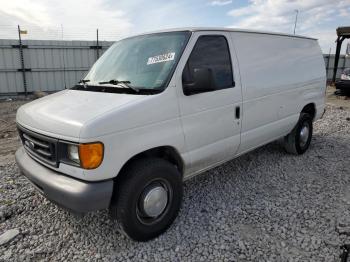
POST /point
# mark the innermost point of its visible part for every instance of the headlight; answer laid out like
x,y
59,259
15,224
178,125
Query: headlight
x,y
88,156
73,153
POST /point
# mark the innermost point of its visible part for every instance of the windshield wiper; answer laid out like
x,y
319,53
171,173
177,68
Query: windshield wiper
x,y
124,84
83,81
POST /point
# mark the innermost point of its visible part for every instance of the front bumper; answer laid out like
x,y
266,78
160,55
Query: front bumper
x,y
70,193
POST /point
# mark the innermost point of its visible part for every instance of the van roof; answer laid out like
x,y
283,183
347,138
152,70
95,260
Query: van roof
x,y
225,29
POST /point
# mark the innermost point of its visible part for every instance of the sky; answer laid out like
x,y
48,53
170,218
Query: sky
x,y
78,19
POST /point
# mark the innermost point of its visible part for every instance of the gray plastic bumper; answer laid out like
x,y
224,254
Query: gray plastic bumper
x,y
70,193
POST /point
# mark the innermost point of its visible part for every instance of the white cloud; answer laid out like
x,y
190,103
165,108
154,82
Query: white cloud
x,y
326,39
220,2
79,18
314,17
115,19
345,12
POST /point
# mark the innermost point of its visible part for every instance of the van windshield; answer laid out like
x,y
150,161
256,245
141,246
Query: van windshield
x,y
145,62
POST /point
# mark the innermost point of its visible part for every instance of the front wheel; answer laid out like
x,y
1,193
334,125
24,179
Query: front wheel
x,y
148,198
298,140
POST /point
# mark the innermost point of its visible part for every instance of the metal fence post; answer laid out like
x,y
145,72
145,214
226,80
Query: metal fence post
x,y
22,61
63,60
328,60
97,46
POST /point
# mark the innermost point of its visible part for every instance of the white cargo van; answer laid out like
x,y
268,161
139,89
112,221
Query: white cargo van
x,y
159,108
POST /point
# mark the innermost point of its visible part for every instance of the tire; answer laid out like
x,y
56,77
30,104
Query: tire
x,y
143,181
296,142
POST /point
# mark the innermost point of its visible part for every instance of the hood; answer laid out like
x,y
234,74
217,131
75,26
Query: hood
x,y
64,113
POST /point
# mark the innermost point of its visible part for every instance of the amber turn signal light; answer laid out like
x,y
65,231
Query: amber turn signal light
x,y
91,155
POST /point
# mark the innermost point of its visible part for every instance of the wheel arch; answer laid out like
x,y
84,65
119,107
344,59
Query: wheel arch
x,y
168,153
310,108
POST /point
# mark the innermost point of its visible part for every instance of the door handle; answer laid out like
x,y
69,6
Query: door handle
x,y
238,112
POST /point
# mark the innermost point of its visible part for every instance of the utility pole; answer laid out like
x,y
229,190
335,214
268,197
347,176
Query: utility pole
x,y
296,19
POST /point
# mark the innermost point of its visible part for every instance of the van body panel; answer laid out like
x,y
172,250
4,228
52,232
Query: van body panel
x,y
145,111
280,75
161,126
275,77
123,148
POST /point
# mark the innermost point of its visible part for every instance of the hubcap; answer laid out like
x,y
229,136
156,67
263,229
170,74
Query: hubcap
x,y
155,201
304,134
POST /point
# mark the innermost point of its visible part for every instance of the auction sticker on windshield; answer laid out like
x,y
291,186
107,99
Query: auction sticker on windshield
x,y
161,58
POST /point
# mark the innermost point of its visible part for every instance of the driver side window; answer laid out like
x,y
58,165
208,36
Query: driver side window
x,y
212,52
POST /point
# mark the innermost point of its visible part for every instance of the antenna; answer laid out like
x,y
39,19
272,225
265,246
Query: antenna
x,y
296,19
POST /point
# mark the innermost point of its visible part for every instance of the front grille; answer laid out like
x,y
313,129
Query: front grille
x,y
39,146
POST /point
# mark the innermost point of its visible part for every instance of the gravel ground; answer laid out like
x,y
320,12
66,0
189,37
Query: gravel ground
x,y
9,140
264,206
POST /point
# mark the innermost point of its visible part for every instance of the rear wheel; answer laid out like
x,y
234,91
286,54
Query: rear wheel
x,y
298,140
148,198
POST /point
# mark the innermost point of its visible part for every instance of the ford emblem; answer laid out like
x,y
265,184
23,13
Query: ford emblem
x,y
30,144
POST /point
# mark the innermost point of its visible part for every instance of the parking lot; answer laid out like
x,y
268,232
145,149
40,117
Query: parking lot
x,y
263,206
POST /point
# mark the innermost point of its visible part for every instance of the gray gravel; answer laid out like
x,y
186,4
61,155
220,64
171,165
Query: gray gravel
x,y
264,206
8,235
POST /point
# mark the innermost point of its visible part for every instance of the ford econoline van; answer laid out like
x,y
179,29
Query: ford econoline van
x,y
159,108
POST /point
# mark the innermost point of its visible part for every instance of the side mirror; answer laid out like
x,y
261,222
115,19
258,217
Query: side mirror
x,y
203,81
